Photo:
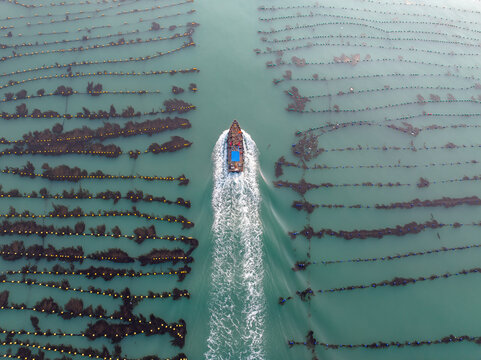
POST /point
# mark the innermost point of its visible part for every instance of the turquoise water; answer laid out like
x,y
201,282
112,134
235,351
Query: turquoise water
x,y
405,49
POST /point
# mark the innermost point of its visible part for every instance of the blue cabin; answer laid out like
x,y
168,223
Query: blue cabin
x,y
235,156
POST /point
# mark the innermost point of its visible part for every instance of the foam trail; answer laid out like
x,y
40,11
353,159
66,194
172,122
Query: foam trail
x,y
237,302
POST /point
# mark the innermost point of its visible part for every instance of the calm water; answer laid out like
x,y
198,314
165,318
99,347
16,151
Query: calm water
x,y
394,51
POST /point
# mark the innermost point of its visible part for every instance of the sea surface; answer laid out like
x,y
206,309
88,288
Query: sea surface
x,y
389,92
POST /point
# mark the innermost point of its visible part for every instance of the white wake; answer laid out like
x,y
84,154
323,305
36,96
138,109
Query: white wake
x,y
237,302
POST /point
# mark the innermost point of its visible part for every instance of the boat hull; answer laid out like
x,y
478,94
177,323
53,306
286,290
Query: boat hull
x,y
235,149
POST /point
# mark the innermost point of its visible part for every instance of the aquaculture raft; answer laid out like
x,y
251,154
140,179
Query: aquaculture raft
x,y
235,148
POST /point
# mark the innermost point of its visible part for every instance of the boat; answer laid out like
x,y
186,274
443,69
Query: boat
x,y
235,148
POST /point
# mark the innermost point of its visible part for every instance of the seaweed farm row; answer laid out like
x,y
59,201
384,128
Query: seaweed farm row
x,y
386,98
97,235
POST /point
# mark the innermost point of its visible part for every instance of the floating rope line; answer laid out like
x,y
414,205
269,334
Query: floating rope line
x,y
302,187
376,76
171,105
287,76
69,314
399,256
364,45
30,227
98,73
59,333
332,127
38,333
407,129
110,154
448,146
84,272
48,115
78,213
71,258
410,228
108,131
16,250
370,37
111,293
133,196
410,5
154,8
380,107
103,92
10,356
376,166
81,177
65,350
306,294
45,348
388,89
445,202
399,230
415,62
71,233
75,92
312,342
